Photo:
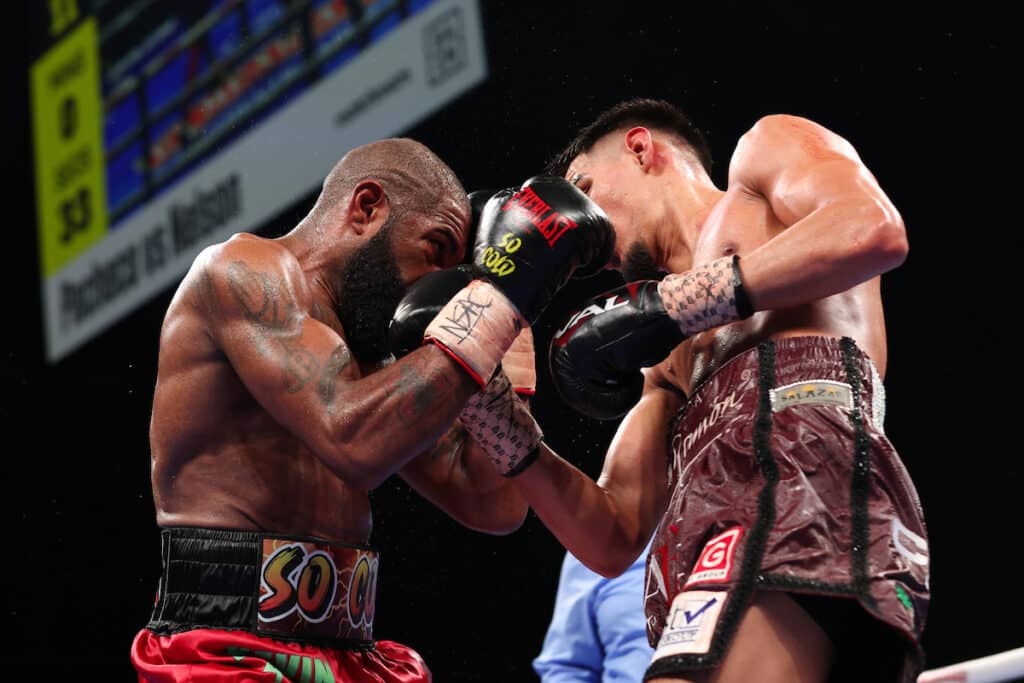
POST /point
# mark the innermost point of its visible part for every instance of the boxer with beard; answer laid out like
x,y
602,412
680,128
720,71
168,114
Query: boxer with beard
x,y
278,407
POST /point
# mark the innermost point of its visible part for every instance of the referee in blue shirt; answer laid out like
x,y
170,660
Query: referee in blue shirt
x,y
597,632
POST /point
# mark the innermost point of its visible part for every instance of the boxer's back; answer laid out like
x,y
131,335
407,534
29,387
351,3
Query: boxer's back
x,y
219,459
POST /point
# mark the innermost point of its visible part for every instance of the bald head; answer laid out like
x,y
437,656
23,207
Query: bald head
x,y
413,177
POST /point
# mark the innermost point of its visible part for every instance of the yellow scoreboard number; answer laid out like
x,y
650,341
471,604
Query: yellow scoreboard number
x,y
67,115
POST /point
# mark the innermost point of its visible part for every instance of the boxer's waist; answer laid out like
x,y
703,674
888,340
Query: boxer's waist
x,y
789,372
297,589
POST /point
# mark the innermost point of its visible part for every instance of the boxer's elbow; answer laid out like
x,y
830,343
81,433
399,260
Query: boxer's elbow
x,y
355,472
354,464
613,560
609,567
890,235
496,519
505,523
881,237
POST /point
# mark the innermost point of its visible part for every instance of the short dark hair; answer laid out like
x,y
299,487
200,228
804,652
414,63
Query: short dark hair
x,y
639,111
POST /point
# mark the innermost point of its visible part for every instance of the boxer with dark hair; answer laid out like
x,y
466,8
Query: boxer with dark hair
x,y
279,405
745,358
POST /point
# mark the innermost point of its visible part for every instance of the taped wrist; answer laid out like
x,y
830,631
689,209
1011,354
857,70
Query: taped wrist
x,y
476,327
707,296
502,426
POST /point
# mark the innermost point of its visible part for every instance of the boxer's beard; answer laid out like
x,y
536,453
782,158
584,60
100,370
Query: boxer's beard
x,y
638,264
371,288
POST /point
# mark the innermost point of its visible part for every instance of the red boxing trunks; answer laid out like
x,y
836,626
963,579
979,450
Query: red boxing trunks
x,y
783,479
211,656
241,605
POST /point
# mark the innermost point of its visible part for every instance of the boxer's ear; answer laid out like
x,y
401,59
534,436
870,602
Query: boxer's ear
x,y
368,207
640,144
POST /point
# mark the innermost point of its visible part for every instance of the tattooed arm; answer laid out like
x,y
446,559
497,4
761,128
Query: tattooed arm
x,y
456,476
257,309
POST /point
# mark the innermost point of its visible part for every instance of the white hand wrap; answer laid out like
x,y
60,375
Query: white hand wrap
x,y
705,297
476,327
502,425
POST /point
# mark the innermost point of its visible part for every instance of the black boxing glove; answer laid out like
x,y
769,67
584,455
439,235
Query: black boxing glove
x,y
421,304
425,299
477,200
498,421
595,359
530,241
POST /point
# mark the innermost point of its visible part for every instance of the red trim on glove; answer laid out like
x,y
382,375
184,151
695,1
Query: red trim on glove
x,y
455,357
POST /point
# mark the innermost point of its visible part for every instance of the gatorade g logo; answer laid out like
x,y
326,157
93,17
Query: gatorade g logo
x,y
550,223
362,592
715,562
298,579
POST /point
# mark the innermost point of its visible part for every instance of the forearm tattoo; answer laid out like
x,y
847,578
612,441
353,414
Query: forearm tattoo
x,y
420,392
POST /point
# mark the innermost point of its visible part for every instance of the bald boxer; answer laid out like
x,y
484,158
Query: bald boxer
x,y
279,405
745,358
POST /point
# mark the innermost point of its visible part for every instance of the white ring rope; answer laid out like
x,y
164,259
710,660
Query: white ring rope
x,y
997,668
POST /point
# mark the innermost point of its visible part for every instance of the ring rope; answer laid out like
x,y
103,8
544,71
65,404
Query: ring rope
x,y
997,668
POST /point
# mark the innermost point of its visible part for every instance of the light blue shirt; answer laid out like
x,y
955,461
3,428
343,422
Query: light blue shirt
x,y
598,630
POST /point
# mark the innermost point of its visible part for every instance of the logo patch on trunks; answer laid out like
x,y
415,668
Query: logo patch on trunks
x,y
715,562
691,623
822,392
316,589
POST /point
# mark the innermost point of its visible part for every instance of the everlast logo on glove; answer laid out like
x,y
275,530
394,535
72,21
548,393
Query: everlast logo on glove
x,y
551,223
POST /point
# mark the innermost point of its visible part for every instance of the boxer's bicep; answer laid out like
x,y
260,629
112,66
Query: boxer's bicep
x,y
840,229
291,363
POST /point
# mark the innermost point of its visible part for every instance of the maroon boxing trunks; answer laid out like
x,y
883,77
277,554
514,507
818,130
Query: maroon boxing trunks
x,y
783,479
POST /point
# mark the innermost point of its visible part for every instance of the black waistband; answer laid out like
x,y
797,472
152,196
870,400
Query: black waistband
x,y
295,589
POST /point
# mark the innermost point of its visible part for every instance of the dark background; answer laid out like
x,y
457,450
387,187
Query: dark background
x,y
923,94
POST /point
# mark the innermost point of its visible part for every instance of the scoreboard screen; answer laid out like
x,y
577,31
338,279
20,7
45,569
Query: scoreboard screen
x,y
160,127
